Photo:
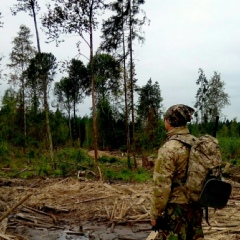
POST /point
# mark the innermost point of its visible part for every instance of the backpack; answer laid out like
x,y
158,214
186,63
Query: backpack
x,y
204,183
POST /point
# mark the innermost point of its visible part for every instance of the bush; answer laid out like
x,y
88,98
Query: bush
x,y
230,148
4,149
106,159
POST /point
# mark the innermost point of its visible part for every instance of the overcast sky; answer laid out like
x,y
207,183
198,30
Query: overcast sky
x,y
182,37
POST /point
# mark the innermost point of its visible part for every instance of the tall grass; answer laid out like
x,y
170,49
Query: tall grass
x,y
230,149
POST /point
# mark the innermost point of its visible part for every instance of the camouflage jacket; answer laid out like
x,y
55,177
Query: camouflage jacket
x,y
170,173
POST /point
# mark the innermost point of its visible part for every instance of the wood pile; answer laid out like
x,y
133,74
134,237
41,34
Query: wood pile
x,y
52,201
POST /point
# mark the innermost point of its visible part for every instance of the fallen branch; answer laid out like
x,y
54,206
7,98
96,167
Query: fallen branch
x,y
6,237
35,210
15,206
74,233
100,174
35,219
92,199
111,188
25,169
55,209
40,225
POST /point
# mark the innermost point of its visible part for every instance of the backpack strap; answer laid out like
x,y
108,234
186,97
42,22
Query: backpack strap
x,y
187,139
206,215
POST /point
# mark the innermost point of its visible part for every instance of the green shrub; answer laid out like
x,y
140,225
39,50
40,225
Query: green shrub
x,y
4,148
31,154
106,159
230,148
139,175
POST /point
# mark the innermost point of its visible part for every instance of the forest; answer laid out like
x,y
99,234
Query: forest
x,y
43,126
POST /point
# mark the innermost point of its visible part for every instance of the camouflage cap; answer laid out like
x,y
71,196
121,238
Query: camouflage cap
x,y
178,115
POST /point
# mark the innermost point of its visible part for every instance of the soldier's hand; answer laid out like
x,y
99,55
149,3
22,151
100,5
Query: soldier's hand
x,y
153,222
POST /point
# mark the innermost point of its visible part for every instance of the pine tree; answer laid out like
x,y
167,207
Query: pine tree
x,y
119,32
74,16
20,57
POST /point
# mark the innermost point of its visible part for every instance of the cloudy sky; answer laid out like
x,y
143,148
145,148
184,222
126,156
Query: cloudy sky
x,y
182,37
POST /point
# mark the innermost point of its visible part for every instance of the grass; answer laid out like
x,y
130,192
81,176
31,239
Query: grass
x,y
68,162
230,149
71,160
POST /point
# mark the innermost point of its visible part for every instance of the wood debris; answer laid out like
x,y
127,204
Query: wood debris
x,y
111,203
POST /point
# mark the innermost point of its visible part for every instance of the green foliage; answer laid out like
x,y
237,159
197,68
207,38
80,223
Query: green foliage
x,y
149,102
60,130
117,170
146,144
41,71
210,98
105,159
230,148
149,106
107,126
68,162
129,175
106,70
4,149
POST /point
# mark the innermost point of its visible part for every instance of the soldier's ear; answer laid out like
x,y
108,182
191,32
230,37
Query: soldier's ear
x,y
167,124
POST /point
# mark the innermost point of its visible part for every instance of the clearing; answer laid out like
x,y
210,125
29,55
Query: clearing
x,y
73,209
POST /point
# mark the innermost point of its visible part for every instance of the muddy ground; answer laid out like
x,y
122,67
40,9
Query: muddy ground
x,y
82,209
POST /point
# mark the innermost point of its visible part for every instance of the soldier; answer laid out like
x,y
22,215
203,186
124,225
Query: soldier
x,y
171,211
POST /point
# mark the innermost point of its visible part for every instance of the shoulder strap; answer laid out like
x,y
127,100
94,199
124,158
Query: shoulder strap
x,y
186,139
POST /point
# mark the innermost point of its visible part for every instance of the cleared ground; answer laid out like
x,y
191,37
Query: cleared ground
x,y
73,209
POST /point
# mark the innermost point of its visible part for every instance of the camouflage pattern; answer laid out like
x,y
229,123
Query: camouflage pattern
x,y
184,223
179,115
169,173
204,155
169,177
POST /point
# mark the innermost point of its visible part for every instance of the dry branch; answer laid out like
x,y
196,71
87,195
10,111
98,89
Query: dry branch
x,y
55,209
6,237
35,210
111,188
152,235
92,199
15,206
23,170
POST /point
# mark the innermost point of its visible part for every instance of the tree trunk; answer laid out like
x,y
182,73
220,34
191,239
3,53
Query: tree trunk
x,y
45,93
24,117
93,97
36,28
132,87
24,111
69,125
74,122
48,123
125,93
